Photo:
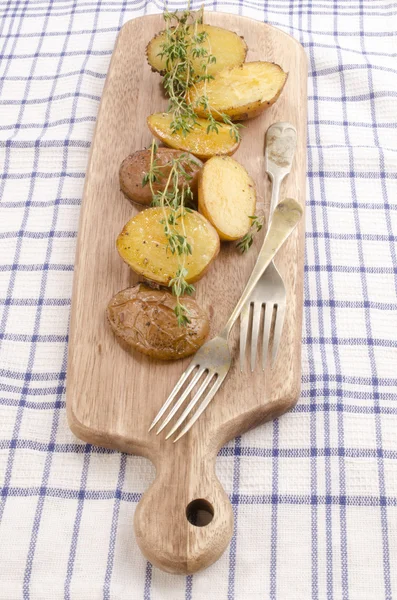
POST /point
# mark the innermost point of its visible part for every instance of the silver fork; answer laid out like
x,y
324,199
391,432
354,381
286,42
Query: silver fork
x,y
270,290
213,360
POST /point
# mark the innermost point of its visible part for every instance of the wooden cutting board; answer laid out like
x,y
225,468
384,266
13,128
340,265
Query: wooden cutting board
x,y
112,396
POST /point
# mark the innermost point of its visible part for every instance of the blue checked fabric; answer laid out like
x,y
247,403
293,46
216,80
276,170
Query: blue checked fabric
x,y
314,493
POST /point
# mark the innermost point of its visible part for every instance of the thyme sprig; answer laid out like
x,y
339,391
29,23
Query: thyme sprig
x,y
246,242
184,44
173,200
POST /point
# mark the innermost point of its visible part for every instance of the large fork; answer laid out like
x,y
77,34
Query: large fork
x,y
270,290
211,363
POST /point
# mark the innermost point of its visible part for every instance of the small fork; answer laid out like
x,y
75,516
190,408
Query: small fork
x,y
270,290
213,360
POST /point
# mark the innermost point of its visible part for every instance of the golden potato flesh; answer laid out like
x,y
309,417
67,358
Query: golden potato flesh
x,y
197,141
134,167
227,197
144,319
228,48
142,244
242,92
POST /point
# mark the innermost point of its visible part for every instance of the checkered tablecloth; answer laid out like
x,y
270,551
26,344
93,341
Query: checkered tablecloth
x,y
314,493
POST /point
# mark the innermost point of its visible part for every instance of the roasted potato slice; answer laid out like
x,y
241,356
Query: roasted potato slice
x,y
197,141
228,48
144,319
227,197
241,92
142,244
134,167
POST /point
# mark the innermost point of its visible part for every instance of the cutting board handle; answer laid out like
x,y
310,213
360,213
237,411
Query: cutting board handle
x,y
184,521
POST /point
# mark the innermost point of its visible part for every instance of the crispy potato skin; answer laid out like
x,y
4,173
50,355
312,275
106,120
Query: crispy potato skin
x,y
229,49
134,167
144,319
197,141
227,197
143,246
242,92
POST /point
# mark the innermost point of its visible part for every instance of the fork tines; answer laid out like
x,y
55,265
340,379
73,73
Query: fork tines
x,y
273,314
210,376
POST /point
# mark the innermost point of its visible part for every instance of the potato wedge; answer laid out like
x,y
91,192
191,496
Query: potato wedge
x,y
143,245
241,92
197,141
227,197
228,48
144,319
134,167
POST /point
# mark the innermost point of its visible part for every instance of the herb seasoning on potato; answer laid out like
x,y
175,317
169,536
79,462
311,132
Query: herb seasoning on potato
x,y
134,167
144,319
197,140
144,246
229,49
190,53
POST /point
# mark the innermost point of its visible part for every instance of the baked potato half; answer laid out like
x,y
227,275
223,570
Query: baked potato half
x,y
227,197
197,141
242,92
228,48
142,244
134,167
144,319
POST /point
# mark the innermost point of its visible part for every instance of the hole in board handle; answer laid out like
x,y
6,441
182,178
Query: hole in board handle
x,y
199,512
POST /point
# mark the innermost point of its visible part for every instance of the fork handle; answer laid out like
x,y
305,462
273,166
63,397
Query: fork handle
x,y
285,218
276,184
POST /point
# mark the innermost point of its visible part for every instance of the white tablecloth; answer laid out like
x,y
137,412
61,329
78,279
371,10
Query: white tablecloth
x,y
314,493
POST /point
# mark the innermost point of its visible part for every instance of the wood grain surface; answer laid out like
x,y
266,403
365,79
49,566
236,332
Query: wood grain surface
x,y
112,396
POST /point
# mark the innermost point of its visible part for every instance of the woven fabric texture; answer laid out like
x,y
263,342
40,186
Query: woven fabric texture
x,y
314,493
